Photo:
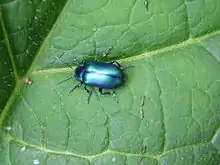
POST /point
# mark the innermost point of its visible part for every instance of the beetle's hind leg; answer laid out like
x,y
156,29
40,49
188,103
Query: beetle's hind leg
x,y
120,66
109,93
90,94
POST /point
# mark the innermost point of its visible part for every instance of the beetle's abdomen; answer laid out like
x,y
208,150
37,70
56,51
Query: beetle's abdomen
x,y
103,75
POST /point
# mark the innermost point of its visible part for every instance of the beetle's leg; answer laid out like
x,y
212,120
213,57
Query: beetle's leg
x,y
90,94
104,54
120,66
126,67
76,86
109,93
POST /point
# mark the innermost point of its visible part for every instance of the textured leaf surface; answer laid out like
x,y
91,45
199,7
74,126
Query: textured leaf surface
x,y
27,23
169,107
7,80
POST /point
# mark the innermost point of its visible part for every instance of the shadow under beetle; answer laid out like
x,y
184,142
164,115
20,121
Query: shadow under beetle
x,y
104,75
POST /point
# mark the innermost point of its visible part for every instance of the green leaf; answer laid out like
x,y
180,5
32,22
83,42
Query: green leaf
x,y
169,107
7,82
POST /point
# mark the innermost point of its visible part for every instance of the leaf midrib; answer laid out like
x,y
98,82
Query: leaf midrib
x,y
144,55
5,35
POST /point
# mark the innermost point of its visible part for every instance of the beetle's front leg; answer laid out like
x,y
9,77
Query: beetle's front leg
x,y
76,86
109,93
90,94
105,54
120,66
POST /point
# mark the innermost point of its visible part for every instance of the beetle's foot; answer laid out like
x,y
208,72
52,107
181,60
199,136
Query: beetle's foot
x,y
76,86
90,94
71,90
115,96
89,97
106,53
126,67
88,100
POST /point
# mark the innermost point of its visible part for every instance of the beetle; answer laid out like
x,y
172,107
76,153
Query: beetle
x,y
103,75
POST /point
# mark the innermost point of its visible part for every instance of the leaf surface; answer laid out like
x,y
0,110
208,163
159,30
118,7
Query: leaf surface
x,y
169,107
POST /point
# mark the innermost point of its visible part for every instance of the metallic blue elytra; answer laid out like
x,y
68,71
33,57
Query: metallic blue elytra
x,y
99,74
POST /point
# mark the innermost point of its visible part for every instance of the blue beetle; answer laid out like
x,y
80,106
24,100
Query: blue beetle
x,y
98,74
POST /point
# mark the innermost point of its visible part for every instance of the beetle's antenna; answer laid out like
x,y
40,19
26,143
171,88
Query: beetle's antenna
x,y
64,80
64,62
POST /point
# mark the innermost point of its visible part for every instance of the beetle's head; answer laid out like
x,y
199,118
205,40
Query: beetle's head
x,y
79,71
